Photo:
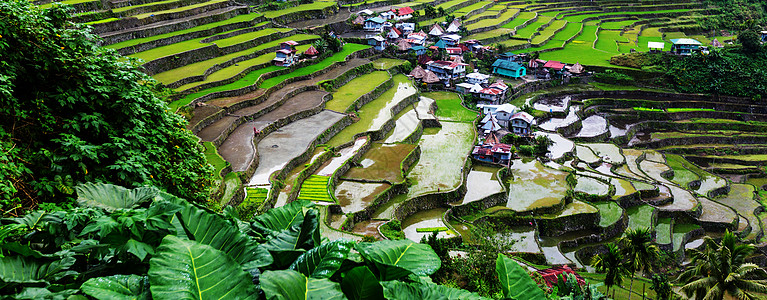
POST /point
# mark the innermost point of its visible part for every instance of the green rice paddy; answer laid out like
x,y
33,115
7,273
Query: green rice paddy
x,y
504,17
682,175
351,91
315,188
609,212
213,158
271,14
337,57
527,31
449,107
640,216
255,195
520,19
663,231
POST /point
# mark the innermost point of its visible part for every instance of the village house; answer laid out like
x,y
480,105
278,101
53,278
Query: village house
x,y
504,113
468,88
393,35
477,78
405,28
521,123
418,50
655,47
286,55
474,45
454,52
436,31
311,52
495,153
685,46
454,26
374,24
387,15
403,46
400,14
490,95
451,40
417,38
508,68
447,70
359,20
378,42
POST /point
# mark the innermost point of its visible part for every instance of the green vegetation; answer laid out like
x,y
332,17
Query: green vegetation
x,y
183,8
347,94
527,31
271,14
255,195
337,57
519,20
682,175
104,123
214,159
315,188
610,213
242,82
450,108
504,17
431,229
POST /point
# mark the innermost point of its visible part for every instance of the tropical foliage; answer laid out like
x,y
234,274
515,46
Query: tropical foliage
x,y
156,245
612,264
720,270
73,112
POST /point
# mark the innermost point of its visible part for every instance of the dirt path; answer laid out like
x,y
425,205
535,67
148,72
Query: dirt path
x,y
238,148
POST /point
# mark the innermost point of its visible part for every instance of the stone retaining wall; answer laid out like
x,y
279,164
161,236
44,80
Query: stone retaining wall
x,y
496,26
306,15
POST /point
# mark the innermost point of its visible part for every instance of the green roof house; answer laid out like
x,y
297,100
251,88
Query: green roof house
x,y
509,69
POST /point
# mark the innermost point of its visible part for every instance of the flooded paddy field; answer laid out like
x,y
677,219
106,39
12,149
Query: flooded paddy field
x,y
382,162
535,186
355,196
443,153
425,222
481,182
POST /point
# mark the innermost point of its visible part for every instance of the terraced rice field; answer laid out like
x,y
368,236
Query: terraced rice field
x,y
350,92
535,186
315,188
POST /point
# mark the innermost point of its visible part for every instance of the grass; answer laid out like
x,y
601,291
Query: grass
x,y
213,158
527,31
303,7
615,87
610,213
351,91
107,20
685,109
431,229
242,82
559,39
450,107
647,109
131,7
192,44
337,57
237,19
663,231
67,2
616,25
315,188
608,41
235,69
519,20
504,17
549,31
199,68
169,11
621,292
490,34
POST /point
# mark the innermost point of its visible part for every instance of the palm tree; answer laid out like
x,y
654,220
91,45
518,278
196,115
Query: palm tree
x,y
611,263
721,269
640,251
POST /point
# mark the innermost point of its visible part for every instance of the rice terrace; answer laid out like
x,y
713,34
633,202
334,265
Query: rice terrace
x,y
504,149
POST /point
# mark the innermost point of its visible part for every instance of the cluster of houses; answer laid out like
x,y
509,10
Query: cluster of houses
x,y
498,121
287,55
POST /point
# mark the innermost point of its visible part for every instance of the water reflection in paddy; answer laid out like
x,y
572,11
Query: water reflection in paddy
x,y
424,219
558,104
523,237
355,196
535,185
593,126
481,182
561,145
381,163
554,123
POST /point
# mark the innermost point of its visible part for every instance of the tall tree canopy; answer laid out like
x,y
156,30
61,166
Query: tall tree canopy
x,y
71,111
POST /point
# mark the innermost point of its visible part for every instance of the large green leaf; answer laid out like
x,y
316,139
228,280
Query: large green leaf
x,y
212,229
427,291
279,219
184,269
19,269
111,197
515,282
323,261
286,246
291,285
118,287
396,259
360,284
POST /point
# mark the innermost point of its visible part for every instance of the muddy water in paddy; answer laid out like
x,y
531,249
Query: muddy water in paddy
x,y
523,237
345,154
369,227
481,182
381,162
554,123
423,109
593,126
561,145
405,124
585,154
535,185
608,152
443,153
355,196
558,104
715,212
424,219
279,147
591,186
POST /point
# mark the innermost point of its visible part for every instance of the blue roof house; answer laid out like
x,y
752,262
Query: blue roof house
x,y
374,24
378,42
419,50
685,46
508,69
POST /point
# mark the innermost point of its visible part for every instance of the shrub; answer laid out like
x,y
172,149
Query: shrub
x,y
612,77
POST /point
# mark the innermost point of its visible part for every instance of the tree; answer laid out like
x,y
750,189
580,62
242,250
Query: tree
x,y
661,286
721,269
72,112
611,263
430,12
750,41
542,144
640,252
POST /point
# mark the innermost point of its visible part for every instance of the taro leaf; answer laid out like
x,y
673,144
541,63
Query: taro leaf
x,y
396,259
111,197
19,269
117,287
289,244
323,261
211,229
139,249
418,291
291,285
515,282
279,219
36,293
32,220
361,284
184,269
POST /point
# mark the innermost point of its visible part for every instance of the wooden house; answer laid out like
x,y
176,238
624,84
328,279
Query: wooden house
x,y
521,123
374,24
451,40
286,55
402,13
378,42
508,68
311,52
447,70
477,78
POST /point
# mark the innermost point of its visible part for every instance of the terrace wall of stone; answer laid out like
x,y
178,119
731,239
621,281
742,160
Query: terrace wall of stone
x,y
485,17
181,59
187,36
499,25
433,200
306,15
604,234
130,22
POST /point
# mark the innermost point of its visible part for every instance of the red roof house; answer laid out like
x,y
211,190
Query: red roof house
x,y
550,276
311,51
553,64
